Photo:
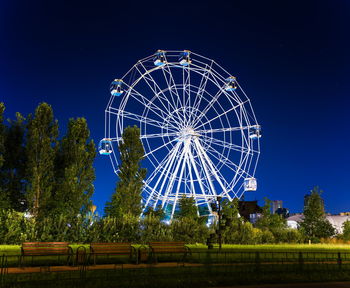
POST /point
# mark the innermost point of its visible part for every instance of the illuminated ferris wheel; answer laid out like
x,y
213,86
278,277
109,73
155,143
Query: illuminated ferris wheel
x,y
198,129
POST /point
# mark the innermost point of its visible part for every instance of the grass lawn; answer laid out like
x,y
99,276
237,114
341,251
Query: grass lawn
x,y
16,249
228,253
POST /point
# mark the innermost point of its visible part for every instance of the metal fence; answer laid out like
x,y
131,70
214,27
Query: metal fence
x,y
209,266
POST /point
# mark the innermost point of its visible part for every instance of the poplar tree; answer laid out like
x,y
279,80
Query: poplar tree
x,y
41,146
127,197
15,160
74,169
4,199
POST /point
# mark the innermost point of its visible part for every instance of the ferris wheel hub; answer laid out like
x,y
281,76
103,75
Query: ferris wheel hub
x,y
188,134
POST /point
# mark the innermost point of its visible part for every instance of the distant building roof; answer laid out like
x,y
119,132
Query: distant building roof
x,y
337,221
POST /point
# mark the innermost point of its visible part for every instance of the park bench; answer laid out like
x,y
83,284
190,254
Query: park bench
x,y
170,248
97,249
46,249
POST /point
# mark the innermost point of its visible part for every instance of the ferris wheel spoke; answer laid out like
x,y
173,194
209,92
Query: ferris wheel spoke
x,y
206,172
228,163
180,176
159,135
172,86
166,159
200,183
137,117
157,90
172,178
169,159
214,171
209,105
218,130
201,89
191,188
136,95
160,147
171,83
150,105
229,146
222,114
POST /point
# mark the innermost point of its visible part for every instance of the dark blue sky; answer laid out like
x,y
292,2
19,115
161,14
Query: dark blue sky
x,y
291,58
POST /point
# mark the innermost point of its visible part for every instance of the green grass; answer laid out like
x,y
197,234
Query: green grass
x,y
201,254
277,247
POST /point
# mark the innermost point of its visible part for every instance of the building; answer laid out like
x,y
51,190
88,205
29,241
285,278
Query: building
x,y
249,210
276,204
337,221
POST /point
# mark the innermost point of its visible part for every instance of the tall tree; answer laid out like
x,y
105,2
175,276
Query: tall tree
x,y
74,169
315,224
4,197
15,160
127,196
41,149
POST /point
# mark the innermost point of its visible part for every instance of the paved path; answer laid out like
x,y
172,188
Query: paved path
x,y
23,270
297,285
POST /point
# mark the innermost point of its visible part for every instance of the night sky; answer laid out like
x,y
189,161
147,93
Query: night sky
x,y
290,57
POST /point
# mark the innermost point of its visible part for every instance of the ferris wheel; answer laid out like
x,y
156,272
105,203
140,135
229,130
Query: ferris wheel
x,y
197,126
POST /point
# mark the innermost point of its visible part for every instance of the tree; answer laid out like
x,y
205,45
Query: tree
x,y
158,212
269,221
315,224
74,169
127,196
346,231
187,208
4,198
15,161
41,149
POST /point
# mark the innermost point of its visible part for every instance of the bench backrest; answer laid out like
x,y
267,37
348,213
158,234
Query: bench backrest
x,y
45,248
168,247
111,248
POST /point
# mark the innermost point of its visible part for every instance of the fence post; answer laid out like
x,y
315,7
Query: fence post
x,y
339,260
301,261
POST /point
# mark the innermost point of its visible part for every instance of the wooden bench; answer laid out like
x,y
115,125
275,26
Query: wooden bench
x,y
46,249
97,249
157,248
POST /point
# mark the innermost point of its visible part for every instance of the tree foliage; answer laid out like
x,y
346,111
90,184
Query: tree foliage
x,y
41,150
187,208
315,224
4,197
15,163
346,231
74,169
127,196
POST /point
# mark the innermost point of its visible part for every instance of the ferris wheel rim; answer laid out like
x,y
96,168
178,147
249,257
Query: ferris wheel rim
x,y
170,133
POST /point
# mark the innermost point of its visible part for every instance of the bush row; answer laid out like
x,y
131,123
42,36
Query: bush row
x,y
17,228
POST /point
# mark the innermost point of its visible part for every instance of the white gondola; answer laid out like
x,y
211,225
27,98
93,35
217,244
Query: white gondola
x,y
250,184
255,132
159,59
117,87
185,59
231,84
105,146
